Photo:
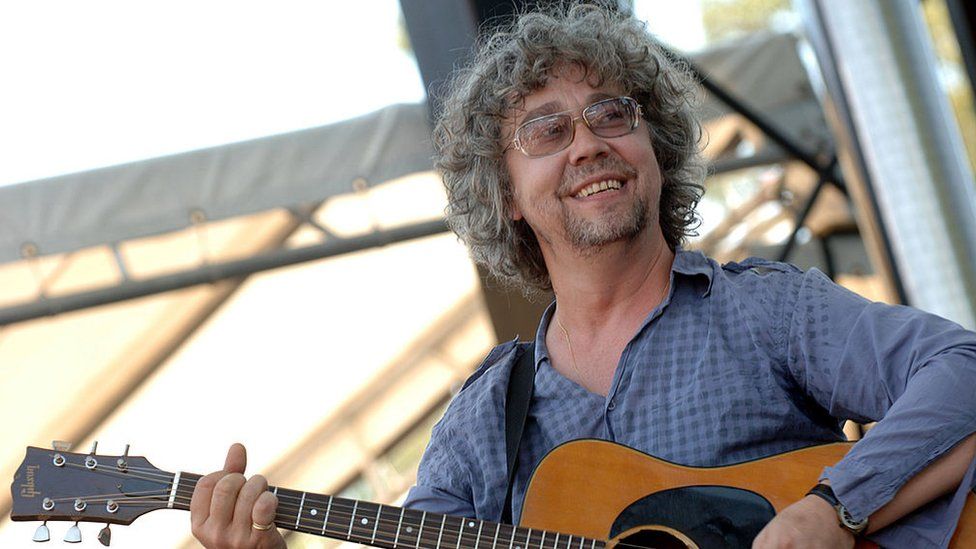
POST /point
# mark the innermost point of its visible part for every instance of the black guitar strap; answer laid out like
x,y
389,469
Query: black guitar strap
x,y
516,411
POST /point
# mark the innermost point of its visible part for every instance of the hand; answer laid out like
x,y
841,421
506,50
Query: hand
x,y
224,506
810,523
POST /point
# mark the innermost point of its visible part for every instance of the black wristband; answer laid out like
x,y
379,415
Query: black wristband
x,y
825,492
844,517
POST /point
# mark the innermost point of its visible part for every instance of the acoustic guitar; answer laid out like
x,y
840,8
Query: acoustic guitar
x,y
586,494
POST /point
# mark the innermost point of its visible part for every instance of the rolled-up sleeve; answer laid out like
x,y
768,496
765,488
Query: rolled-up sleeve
x,y
913,372
443,485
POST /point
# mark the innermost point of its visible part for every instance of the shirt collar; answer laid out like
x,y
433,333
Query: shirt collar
x,y
688,263
541,351
694,264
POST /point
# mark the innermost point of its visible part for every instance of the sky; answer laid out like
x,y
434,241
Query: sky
x,y
102,82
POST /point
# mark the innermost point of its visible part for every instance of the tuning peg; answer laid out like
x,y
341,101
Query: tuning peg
x,y
123,462
73,534
105,536
42,533
61,445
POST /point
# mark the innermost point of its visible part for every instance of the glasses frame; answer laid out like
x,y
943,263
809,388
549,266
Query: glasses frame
x,y
630,101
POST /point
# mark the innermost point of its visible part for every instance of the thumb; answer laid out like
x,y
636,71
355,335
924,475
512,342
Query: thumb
x,y
236,459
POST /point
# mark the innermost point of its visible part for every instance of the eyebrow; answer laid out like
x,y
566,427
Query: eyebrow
x,y
552,107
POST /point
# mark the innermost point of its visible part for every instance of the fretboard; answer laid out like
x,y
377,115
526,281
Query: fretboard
x,y
392,527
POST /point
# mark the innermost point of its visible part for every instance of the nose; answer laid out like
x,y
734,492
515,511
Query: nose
x,y
586,145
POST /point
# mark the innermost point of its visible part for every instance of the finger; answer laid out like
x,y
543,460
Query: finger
x,y
200,502
236,459
225,498
253,488
262,513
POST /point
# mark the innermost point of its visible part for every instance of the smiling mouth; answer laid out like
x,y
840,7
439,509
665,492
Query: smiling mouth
x,y
599,187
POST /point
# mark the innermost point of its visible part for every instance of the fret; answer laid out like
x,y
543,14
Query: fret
x,y
498,526
460,533
511,542
421,533
399,524
352,520
594,544
376,523
542,543
441,533
172,492
301,506
528,539
325,519
477,537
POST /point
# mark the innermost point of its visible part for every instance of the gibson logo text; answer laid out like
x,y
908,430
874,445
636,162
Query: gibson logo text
x,y
27,488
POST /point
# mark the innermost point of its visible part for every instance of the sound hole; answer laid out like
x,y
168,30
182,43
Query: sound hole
x,y
702,516
656,539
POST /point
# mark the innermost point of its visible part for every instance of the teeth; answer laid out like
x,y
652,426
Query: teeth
x,y
599,186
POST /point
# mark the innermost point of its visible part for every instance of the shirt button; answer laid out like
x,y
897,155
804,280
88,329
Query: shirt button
x,y
611,406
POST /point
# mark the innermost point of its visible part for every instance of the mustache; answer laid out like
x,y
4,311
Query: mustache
x,y
573,176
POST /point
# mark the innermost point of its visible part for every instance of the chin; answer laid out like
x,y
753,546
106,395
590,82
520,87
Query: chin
x,y
627,226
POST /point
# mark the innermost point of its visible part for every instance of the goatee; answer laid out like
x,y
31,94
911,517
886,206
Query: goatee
x,y
587,233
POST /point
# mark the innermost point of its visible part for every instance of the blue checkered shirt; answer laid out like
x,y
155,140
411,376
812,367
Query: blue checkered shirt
x,y
739,362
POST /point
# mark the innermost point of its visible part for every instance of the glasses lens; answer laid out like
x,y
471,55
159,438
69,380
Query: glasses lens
x,y
612,117
545,135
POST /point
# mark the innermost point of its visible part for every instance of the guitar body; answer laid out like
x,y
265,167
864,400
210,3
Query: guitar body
x,y
604,490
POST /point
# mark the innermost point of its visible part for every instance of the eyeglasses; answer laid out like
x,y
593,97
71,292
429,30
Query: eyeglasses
x,y
552,133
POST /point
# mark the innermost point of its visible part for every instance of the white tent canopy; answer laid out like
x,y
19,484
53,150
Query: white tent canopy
x,y
110,205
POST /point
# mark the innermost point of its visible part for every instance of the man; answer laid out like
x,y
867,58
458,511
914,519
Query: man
x,y
569,151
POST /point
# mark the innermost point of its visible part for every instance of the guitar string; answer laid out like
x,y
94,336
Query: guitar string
x,y
466,534
393,534
289,509
400,539
287,514
181,493
341,510
283,498
343,532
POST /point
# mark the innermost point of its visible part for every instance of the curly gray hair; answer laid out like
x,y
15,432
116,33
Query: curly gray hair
x,y
516,61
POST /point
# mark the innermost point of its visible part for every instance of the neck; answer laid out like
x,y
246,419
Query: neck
x,y
393,527
627,278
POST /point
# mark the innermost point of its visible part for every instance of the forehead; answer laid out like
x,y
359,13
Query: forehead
x,y
566,89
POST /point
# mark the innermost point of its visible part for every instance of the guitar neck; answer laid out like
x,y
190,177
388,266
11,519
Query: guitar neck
x,y
393,527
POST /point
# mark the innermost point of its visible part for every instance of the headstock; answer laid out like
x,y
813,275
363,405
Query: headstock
x,y
54,484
